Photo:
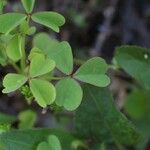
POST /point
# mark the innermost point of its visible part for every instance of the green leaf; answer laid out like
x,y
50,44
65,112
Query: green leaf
x,y
62,55
40,65
60,52
13,49
137,104
46,43
49,19
9,21
43,146
6,119
27,119
69,94
93,72
12,82
43,91
98,109
29,139
28,5
136,62
89,121
54,143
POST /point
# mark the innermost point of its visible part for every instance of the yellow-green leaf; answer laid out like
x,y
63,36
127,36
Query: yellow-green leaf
x,y
93,72
13,82
13,49
43,91
9,21
40,65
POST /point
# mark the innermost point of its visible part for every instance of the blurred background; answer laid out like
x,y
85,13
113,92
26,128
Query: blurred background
x,y
93,28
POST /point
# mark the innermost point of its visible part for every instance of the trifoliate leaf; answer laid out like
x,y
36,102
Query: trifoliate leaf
x,y
93,72
13,82
69,94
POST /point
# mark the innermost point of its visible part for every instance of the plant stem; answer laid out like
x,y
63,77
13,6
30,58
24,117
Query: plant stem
x,y
15,66
78,61
23,59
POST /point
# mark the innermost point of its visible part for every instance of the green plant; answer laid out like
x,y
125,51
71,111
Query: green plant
x,y
34,78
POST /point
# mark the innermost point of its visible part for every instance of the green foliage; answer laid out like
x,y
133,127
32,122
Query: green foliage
x,y
60,52
49,19
138,104
28,5
9,21
27,119
6,119
26,29
13,49
110,120
52,144
40,65
4,128
29,139
13,82
69,94
93,72
43,91
135,61
97,120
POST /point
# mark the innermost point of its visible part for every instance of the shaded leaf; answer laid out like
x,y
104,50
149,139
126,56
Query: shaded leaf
x,y
93,72
6,119
29,139
9,21
13,82
43,146
27,119
43,91
69,94
49,19
138,104
54,143
112,121
136,62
